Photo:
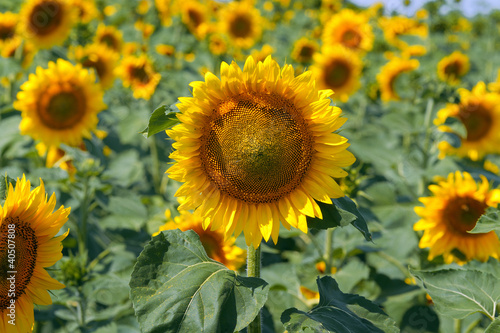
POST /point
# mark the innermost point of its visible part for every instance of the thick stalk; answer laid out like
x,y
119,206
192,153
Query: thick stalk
x,y
253,270
458,325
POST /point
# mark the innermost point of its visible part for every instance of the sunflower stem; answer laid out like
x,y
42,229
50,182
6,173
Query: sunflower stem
x,y
328,250
82,244
458,325
155,164
253,270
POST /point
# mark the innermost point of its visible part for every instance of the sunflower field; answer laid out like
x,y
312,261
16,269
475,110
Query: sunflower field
x,y
251,166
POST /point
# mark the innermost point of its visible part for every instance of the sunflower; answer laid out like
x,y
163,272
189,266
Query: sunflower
x,y
87,11
56,157
479,112
109,36
217,44
329,8
337,68
28,224
451,68
165,49
224,251
8,23
397,26
349,29
242,23
137,72
263,53
60,104
166,9
46,23
99,58
9,50
390,72
256,147
495,86
304,49
453,210
195,15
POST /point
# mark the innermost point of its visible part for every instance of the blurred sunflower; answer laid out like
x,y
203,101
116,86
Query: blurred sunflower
x,y
99,58
87,11
479,112
30,216
195,15
166,9
9,50
350,29
165,49
397,26
223,251
46,23
8,23
109,36
60,104
337,68
256,147
56,157
453,210
242,23
390,72
217,44
329,8
451,68
495,86
263,53
137,72
304,49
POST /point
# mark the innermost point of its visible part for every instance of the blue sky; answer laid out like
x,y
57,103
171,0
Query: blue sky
x,y
468,7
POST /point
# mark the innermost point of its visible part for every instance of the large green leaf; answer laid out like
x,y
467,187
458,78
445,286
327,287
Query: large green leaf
x,y
342,213
161,119
459,293
489,221
338,312
494,327
176,287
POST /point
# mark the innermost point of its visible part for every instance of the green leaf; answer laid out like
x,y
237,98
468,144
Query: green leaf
x,y
338,312
161,119
126,213
489,221
494,326
342,213
459,293
176,287
4,186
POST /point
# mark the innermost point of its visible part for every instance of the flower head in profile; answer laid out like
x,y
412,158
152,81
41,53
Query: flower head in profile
x,y
8,23
60,104
46,23
451,68
217,248
454,208
29,222
99,58
390,72
479,112
256,147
